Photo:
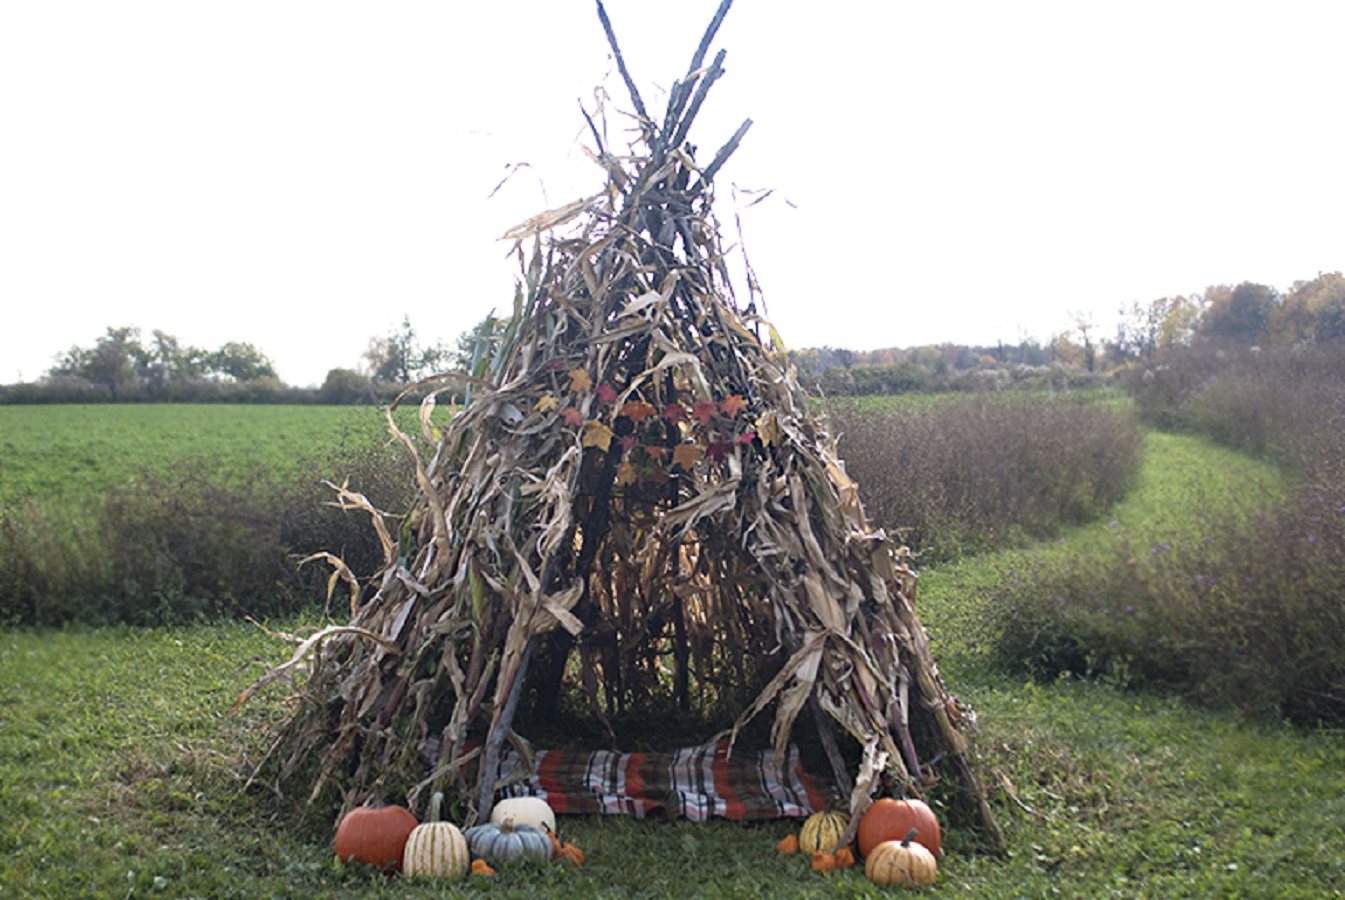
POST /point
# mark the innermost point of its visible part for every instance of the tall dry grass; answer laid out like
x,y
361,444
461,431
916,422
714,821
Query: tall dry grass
x,y
968,473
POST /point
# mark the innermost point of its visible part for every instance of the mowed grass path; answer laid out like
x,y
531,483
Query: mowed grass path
x,y
120,768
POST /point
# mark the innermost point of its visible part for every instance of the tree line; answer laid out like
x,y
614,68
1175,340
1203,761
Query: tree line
x,y
121,366
1223,316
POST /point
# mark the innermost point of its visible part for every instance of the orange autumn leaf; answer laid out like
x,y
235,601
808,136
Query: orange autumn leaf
x,y
479,867
732,405
573,854
596,434
625,474
579,380
789,845
703,411
637,411
655,453
686,455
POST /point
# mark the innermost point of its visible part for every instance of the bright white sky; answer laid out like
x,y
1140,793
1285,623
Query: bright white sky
x,y
300,174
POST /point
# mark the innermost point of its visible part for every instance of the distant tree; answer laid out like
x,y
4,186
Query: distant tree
x,y
400,358
170,361
116,361
119,362
1312,310
238,361
1238,315
345,386
1083,324
480,342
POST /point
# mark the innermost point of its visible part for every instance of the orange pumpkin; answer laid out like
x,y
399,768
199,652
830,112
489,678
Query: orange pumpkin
x,y
888,819
375,836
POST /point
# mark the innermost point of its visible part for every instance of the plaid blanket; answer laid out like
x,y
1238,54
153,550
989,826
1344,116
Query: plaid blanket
x,y
695,782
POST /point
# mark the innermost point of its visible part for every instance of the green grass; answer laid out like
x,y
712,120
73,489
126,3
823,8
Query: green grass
x,y
1181,474
60,453
120,773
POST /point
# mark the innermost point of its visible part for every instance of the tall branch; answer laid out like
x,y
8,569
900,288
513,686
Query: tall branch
x,y
621,65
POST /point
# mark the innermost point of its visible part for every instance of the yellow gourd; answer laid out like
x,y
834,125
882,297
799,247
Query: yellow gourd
x,y
822,832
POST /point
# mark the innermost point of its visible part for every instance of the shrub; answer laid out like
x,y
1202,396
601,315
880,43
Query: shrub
x,y
972,472
193,543
1277,402
1249,615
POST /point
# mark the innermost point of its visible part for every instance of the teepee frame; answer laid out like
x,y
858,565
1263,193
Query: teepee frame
x,y
637,498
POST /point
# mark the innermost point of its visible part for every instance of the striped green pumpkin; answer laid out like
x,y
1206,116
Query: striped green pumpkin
x,y
822,831
436,849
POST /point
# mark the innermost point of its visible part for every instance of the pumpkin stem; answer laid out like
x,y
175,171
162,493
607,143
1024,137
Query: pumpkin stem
x,y
910,837
436,805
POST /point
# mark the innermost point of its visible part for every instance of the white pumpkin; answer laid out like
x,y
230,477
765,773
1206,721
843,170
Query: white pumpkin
x,y
435,848
525,811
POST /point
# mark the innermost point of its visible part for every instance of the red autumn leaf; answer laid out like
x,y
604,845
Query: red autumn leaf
x,y
605,393
718,450
747,438
733,405
627,441
675,413
572,417
704,411
637,411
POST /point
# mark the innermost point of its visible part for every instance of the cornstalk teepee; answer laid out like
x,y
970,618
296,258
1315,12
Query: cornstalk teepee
x,y
637,498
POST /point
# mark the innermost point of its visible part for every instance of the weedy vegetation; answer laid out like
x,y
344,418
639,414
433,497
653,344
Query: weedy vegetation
x,y
162,514
1237,602
1139,752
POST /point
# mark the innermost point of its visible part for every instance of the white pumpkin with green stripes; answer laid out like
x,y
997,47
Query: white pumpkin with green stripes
x,y
436,849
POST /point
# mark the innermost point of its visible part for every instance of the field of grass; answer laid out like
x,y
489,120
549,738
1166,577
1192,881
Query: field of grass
x,y
120,770
69,452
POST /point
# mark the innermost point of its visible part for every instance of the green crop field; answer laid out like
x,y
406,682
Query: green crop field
x,y
64,453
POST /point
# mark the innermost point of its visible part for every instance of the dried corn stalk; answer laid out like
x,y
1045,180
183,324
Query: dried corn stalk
x,y
638,484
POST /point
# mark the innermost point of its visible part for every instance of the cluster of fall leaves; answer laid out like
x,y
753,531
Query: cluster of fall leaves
x,y
707,430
